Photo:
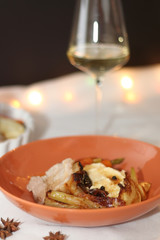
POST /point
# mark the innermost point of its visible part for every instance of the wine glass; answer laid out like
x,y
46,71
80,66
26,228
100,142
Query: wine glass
x,y
98,41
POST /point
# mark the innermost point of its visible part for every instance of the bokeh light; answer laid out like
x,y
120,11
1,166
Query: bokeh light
x,y
126,82
35,97
68,96
15,103
131,97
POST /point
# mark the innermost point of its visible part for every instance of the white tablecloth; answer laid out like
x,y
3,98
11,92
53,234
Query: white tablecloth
x,y
68,108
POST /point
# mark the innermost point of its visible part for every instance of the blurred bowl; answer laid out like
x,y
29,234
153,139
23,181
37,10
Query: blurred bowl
x,y
16,114
33,159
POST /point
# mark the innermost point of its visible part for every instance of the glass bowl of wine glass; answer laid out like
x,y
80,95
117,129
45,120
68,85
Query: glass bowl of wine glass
x,y
98,42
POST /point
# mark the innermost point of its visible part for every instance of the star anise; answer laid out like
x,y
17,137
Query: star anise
x,y
8,227
4,234
55,236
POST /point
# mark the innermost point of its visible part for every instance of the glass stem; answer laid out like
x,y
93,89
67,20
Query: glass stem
x,y
98,111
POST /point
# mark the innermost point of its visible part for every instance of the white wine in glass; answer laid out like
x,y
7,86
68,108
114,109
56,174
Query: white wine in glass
x,y
98,41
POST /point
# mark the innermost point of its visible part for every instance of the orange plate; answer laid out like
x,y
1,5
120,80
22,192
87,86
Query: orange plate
x,y
35,158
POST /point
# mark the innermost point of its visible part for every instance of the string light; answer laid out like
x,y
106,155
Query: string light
x,y
126,82
131,97
35,97
68,96
15,103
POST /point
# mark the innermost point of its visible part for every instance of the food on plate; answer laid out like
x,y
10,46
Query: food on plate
x,y
10,128
88,183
